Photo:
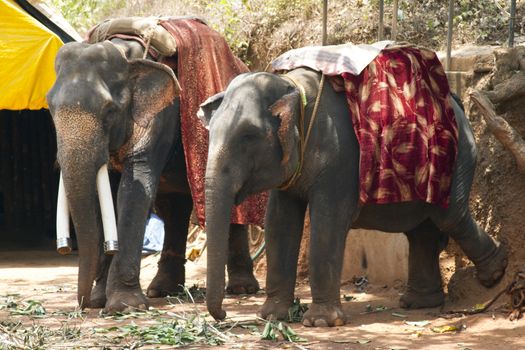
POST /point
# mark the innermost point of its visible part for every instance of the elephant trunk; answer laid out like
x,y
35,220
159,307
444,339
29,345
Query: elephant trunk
x,y
82,202
219,202
82,150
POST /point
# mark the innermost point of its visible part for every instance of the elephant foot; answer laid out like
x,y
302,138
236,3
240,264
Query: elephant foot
x,y
324,315
240,275
126,301
491,270
169,279
417,300
242,284
275,308
98,296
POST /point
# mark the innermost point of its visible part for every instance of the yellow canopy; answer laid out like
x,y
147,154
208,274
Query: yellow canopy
x,y
27,57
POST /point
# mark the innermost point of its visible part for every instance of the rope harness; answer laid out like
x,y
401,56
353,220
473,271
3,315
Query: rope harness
x,y
149,34
303,139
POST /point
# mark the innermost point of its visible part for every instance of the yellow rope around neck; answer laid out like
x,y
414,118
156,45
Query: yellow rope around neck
x,y
303,140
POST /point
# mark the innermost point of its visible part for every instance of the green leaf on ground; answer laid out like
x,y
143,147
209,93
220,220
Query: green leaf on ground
x,y
296,311
273,329
445,329
418,323
352,341
348,297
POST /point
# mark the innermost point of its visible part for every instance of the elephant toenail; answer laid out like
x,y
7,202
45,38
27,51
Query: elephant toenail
x,y
339,322
320,323
307,323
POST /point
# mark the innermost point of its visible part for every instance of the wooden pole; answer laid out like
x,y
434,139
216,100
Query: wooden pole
x,y
449,34
511,22
394,19
325,20
381,18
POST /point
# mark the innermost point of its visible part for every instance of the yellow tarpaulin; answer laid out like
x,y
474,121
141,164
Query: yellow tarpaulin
x,y
27,55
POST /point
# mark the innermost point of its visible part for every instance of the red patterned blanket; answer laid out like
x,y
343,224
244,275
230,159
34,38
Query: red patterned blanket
x,y
205,67
405,126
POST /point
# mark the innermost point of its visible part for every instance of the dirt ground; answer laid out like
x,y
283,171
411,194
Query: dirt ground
x,y
375,321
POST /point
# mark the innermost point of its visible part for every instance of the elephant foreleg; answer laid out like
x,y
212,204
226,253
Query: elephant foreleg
x,y
327,242
425,287
137,191
283,231
240,265
175,209
135,200
331,210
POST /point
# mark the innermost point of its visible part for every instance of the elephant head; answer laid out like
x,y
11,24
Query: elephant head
x,y
98,102
252,148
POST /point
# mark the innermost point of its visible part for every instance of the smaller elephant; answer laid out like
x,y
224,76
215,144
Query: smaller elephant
x,y
255,146
110,105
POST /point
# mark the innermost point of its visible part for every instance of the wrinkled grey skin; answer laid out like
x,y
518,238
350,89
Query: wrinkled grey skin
x,y
109,102
254,147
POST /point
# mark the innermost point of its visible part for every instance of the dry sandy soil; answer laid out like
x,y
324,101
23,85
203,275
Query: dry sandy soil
x,y
51,279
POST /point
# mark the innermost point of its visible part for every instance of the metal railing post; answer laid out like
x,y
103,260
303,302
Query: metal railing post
x,y
449,34
381,18
511,22
325,19
394,19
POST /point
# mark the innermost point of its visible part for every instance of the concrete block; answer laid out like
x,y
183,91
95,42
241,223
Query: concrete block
x,y
382,257
470,57
459,82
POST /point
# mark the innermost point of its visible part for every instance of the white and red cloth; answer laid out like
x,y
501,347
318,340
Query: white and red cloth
x,y
401,113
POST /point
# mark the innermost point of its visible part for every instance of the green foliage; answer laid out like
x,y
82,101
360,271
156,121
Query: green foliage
x,y
176,332
14,335
227,20
489,18
22,308
84,14
273,329
259,30
296,311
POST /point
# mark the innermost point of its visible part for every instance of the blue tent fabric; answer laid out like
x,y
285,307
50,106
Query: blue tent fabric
x,y
154,235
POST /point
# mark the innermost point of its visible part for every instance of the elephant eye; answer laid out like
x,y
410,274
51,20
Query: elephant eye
x,y
109,109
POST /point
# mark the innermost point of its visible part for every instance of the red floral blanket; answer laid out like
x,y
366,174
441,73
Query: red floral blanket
x,y
205,67
405,126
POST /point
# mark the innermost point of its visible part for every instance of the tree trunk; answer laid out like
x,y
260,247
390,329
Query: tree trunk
x,y
501,129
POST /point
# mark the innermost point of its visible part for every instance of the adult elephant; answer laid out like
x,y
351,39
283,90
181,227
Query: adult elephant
x,y
110,105
256,144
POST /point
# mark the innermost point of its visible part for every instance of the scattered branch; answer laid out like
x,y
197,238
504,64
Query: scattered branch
x,y
501,129
510,89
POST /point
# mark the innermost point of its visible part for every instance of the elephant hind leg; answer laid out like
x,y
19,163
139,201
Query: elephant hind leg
x,y
175,209
488,255
240,265
425,287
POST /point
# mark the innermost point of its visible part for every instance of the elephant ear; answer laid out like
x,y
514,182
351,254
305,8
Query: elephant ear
x,y
285,109
209,107
154,87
